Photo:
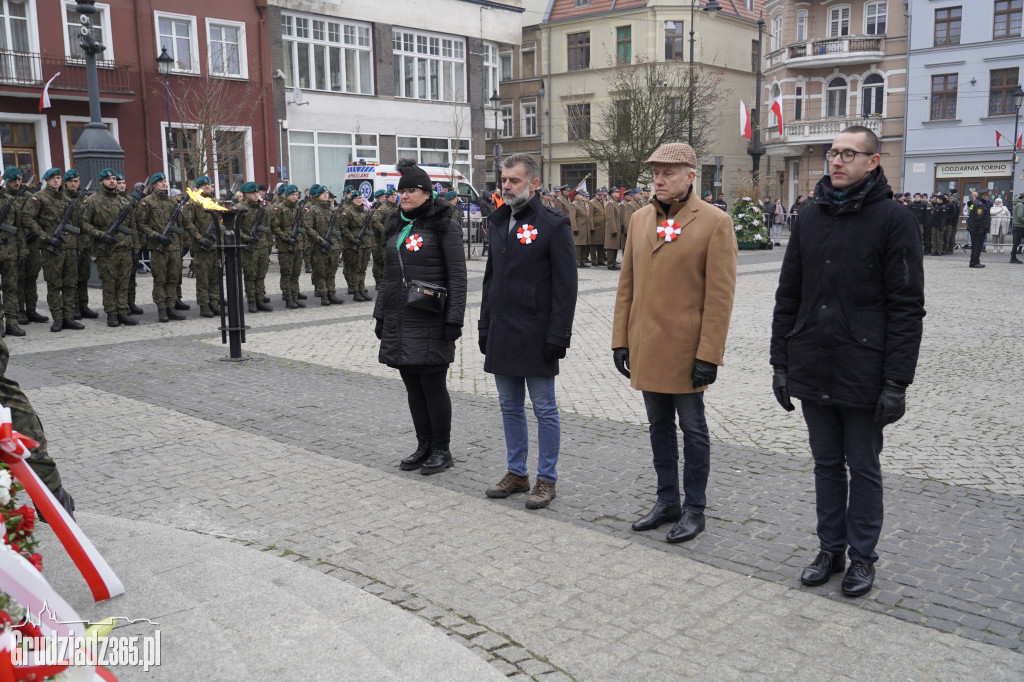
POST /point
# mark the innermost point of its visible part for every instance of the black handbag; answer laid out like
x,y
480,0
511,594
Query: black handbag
x,y
423,295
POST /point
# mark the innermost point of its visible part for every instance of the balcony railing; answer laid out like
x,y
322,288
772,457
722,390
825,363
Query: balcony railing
x,y
844,48
31,69
821,130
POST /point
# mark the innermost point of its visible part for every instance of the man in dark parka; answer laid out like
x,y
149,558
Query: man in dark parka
x,y
526,314
845,339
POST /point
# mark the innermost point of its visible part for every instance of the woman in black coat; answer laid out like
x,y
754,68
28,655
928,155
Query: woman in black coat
x,y
420,344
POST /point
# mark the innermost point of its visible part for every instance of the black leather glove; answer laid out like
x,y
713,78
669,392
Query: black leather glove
x,y
54,242
553,352
452,332
892,403
482,342
292,241
704,373
575,232
621,358
162,240
22,262
378,329
780,389
108,239
206,243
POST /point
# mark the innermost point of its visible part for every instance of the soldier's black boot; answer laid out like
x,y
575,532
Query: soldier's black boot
x,y
171,315
112,320
56,326
263,307
71,324
88,312
76,315
161,314
22,317
181,305
214,309
290,303
127,320
298,301
33,316
334,299
366,295
252,306
358,297
12,329
204,311
134,309
300,296
351,291
416,459
266,299
324,301
440,458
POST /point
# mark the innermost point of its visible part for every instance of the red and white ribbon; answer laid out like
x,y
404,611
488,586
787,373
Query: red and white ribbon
x,y
14,450
527,234
414,242
669,230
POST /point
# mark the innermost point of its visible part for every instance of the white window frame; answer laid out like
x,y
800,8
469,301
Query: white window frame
x,y
291,41
885,16
491,64
776,35
317,144
838,10
249,170
800,97
525,117
243,53
459,159
42,128
66,143
33,38
193,40
506,121
880,88
103,12
454,45
801,25
846,96
164,127
502,56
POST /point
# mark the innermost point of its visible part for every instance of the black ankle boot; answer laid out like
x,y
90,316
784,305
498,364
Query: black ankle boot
x,y
416,459
440,458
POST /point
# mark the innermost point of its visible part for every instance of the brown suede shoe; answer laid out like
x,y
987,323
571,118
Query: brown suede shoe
x,y
543,493
510,483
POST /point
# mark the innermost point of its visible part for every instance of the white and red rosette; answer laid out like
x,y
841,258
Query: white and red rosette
x,y
669,230
413,242
14,451
527,234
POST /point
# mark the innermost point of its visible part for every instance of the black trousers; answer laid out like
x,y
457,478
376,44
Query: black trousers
x,y
849,506
977,244
429,403
1018,237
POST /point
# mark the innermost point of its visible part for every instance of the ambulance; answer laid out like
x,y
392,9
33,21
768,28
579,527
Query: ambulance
x,y
368,177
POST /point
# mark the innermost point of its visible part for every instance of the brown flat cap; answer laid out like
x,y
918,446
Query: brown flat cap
x,y
676,153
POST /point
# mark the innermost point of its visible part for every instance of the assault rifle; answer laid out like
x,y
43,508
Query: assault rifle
x,y
296,229
366,225
63,227
331,232
257,230
6,210
118,224
170,226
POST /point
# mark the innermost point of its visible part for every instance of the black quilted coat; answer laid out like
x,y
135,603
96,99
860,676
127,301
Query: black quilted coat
x,y
412,337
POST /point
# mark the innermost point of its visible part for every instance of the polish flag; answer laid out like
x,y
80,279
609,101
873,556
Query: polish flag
x,y
44,99
999,138
777,110
745,122
1020,141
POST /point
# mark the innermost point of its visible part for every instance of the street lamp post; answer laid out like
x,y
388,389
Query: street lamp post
x,y
1018,99
540,130
495,101
710,8
165,64
756,151
96,149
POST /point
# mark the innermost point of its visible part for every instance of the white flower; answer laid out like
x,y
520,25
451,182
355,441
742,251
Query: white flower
x,y
758,237
746,198
741,216
755,223
5,487
738,227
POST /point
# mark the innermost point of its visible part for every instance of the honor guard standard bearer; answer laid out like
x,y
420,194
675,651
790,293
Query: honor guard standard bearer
x,y
13,250
109,221
286,224
253,227
72,189
160,219
44,214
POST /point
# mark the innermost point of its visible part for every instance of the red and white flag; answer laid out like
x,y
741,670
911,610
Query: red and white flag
x,y
999,138
44,99
777,110
1020,141
745,122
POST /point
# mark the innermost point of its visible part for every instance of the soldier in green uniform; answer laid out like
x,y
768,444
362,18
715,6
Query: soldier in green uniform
x,y
203,240
114,251
365,239
356,217
136,240
289,249
323,257
165,254
255,258
24,420
28,272
72,183
12,248
382,214
41,215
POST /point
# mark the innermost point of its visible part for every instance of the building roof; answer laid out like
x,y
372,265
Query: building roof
x,y
567,9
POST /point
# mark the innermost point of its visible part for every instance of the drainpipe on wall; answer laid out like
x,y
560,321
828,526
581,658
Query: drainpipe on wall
x,y
906,99
142,82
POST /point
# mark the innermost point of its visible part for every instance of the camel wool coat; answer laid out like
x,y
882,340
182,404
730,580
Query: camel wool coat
x,y
675,299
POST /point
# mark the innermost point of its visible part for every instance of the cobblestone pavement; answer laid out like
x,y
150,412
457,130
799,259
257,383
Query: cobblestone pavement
x,y
296,451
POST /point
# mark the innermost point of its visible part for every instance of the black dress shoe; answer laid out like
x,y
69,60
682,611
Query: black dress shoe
x,y
859,578
416,459
822,568
440,459
977,265
688,527
660,513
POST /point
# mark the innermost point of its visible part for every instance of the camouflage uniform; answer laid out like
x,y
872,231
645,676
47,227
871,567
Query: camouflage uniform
x,y
383,213
355,217
84,259
289,255
325,265
154,212
42,213
255,261
114,262
138,244
28,272
12,247
364,251
204,260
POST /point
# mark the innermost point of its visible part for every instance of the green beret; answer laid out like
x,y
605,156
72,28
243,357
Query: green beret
x,y
315,190
379,193
12,173
349,188
250,187
280,188
107,173
392,190
71,174
203,180
156,177
449,195
288,189
50,173
120,178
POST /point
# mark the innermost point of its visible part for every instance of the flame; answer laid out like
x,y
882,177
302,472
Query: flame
x,y
204,201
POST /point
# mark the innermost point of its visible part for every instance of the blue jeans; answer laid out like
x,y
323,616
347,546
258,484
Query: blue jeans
x,y
512,399
661,413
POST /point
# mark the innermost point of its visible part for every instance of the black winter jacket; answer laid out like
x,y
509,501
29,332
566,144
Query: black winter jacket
x,y
850,303
414,337
529,292
979,218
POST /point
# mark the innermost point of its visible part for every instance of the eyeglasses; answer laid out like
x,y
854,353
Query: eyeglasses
x,y
847,155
